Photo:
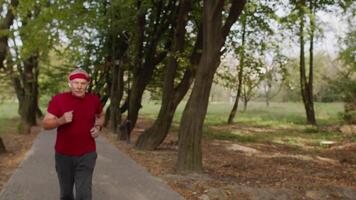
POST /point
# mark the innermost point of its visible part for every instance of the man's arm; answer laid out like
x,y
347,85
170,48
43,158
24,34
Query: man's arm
x,y
99,120
51,121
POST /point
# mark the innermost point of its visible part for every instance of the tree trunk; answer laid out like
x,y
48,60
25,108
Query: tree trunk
x,y
240,75
214,35
306,90
267,99
154,136
107,116
117,49
29,105
26,83
2,146
245,104
309,97
115,97
138,86
150,56
268,88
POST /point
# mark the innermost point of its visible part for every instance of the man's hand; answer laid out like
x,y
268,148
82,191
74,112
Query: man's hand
x,y
67,117
95,131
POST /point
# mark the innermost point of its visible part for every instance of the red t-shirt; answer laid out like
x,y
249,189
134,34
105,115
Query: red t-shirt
x,y
74,138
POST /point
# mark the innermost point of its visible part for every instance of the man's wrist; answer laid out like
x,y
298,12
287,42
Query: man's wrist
x,y
59,121
99,127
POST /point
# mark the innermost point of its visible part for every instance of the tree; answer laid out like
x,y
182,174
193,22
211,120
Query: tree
x,y
5,24
240,71
153,40
251,79
275,74
306,85
22,60
31,29
255,29
304,11
345,81
214,36
172,95
117,44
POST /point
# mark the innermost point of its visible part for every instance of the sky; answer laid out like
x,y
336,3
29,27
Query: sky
x,y
334,27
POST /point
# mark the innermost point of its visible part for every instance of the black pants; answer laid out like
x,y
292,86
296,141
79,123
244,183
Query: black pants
x,y
78,171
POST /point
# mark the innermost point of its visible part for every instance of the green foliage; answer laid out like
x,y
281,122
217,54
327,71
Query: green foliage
x,y
249,42
344,82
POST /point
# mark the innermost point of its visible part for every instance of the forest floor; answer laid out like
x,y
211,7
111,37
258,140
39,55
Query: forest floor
x,y
17,146
252,169
256,169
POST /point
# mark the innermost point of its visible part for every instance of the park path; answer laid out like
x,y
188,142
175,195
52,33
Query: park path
x,y
116,176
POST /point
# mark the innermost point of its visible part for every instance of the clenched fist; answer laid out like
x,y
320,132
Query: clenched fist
x,y
67,117
95,131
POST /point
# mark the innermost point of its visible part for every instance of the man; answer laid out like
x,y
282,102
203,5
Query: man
x,y
78,117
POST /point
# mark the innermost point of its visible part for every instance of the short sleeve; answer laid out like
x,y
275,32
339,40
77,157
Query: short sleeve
x,y
53,107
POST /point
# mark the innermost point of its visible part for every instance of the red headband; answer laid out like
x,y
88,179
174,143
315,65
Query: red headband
x,y
79,75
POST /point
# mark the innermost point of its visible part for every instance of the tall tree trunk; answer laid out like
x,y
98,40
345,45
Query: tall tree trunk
x,y
310,99
149,54
240,75
38,111
107,116
304,83
26,88
134,102
214,35
115,97
138,87
29,104
154,136
118,49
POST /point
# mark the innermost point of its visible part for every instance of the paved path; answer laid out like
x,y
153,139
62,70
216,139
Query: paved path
x,y
116,176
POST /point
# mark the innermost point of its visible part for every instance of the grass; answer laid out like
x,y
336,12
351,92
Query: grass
x,y
259,114
8,115
227,135
8,109
280,121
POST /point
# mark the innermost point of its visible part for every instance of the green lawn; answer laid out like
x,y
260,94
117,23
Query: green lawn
x,y
8,111
279,122
259,114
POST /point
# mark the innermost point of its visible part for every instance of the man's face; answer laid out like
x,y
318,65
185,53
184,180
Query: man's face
x,y
78,86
